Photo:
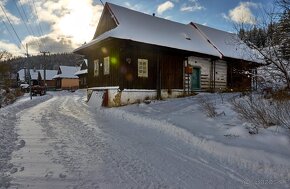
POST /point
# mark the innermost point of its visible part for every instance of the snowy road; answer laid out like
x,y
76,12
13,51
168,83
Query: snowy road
x,y
69,144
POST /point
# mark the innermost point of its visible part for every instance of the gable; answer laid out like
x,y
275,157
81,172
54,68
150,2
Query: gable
x,y
106,23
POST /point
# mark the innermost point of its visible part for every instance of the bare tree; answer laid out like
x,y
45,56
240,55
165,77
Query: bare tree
x,y
276,51
4,55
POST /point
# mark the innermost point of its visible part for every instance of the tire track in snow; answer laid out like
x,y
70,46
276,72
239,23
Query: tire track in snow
x,y
120,169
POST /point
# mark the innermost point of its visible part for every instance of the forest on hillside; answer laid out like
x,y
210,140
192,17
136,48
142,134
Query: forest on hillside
x,y
49,61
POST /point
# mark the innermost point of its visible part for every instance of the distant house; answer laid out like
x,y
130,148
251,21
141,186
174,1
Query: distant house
x,y
66,78
49,81
134,56
33,74
82,74
37,77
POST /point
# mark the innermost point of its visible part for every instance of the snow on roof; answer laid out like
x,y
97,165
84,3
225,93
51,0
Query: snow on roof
x,y
85,71
34,74
229,44
67,72
149,29
49,74
140,27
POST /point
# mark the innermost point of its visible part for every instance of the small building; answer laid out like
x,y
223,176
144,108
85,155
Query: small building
x,y
134,56
83,74
24,75
66,78
48,75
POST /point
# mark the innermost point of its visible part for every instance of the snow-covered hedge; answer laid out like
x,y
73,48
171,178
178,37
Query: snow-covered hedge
x,y
263,112
8,96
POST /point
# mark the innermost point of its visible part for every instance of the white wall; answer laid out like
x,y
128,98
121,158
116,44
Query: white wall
x,y
205,68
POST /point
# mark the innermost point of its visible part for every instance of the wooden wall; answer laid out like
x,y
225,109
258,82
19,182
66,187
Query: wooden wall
x,y
220,75
124,70
213,73
106,23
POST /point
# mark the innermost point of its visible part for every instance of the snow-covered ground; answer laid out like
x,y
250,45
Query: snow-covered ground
x,y
60,141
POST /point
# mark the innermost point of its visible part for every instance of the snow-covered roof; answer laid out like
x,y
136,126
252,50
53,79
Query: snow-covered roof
x,y
140,27
34,74
49,74
85,71
149,29
228,44
67,72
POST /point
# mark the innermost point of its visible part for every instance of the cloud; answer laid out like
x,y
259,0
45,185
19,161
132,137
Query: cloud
x,y
11,48
164,7
51,43
242,13
192,6
70,23
13,19
136,7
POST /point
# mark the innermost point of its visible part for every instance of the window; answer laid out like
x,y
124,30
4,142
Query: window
x,y
142,68
106,65
96,67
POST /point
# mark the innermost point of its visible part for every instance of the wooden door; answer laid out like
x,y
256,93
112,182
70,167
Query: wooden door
x,y
195,79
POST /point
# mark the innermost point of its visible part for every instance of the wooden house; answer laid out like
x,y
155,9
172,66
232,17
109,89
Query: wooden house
x,y
66,79
83,74
34,75
37,77
134,56
48,75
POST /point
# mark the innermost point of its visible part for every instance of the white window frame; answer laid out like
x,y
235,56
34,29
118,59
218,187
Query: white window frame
x,y
142,68
107,65
96,67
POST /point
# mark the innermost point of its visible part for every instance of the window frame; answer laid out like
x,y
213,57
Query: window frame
x,y
106,65
96,67
143,68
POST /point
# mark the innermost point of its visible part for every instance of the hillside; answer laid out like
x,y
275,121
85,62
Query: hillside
x,y
50,61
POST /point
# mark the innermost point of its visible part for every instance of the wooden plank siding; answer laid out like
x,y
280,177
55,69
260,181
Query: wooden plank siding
x,y
106,23
220,75
237,79
124,73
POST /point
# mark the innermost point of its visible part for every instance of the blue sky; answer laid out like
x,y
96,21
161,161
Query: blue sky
x,y
62,25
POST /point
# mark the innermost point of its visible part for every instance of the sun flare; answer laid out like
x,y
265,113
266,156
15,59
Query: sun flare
x,y
79,23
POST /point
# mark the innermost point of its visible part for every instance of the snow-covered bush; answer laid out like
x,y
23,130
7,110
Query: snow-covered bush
x,y
8,96
207,106
263,112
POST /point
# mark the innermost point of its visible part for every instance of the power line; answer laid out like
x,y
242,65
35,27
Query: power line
x,y
21,16
36,13
34,41
12,26
25,15
12,36
102,2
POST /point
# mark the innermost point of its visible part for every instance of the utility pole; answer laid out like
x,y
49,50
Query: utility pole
x,y
29,75
44,68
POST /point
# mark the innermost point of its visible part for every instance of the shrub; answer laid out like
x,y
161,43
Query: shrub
x,y
208,107
263,112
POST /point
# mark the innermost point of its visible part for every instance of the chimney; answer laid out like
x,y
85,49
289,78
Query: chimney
x,y
153,14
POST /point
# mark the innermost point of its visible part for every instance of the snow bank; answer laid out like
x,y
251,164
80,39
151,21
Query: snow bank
x,y
230,148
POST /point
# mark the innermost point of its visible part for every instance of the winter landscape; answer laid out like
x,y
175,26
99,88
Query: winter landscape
x,y
60,141
163,94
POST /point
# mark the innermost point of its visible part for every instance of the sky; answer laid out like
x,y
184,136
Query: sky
x,y
62,25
